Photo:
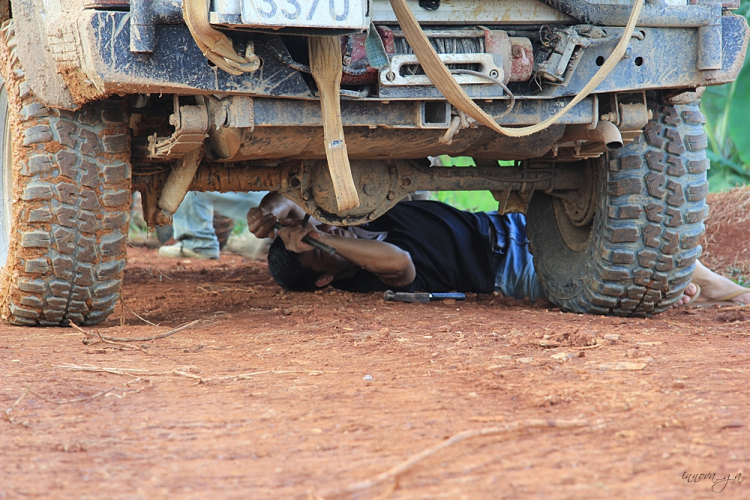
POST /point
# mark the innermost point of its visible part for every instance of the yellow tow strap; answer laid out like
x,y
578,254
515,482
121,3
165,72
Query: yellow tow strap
x,y
213,43
445,83
325,65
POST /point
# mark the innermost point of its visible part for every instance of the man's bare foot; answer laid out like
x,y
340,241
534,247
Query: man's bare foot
x,y
687,295
713,287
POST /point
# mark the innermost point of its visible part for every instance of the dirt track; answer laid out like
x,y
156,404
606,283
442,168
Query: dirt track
x,y
275,395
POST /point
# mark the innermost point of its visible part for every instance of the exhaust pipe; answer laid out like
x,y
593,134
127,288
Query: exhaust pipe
x,y
605,132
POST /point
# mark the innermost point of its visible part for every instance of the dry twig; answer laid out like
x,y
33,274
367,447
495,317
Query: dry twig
x,y
394,472
683,325
27,391
735,308
129,339
6,413
69,401
208,289
140,372
97,338
247,376
498,418
136,314
114,371
134,371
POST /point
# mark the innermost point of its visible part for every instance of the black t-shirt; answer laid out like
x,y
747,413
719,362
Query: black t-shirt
x,y
451,250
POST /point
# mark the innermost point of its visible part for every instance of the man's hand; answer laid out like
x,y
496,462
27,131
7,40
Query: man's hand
x,y
292,236
272,209
260,222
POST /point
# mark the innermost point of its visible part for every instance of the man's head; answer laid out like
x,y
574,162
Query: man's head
x,y
287,270
306,271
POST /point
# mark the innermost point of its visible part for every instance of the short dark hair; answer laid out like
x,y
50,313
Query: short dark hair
x,y
287,270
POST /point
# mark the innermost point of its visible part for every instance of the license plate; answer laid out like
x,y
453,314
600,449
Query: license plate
x,y
330,14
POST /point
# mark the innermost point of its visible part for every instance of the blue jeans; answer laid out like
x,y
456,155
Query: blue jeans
x,y
193,220
516,276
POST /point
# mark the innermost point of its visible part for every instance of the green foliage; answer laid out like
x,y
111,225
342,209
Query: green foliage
x,y
472,201
240,227
727,108
740,275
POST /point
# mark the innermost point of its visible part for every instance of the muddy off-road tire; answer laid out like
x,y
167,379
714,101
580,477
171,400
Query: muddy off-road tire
x,y
66,185
639,252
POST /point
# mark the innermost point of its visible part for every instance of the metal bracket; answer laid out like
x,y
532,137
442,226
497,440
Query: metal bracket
x,y
564,58
191,129
391,75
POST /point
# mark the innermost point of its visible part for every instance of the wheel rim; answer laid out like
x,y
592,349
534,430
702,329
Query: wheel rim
x,y
575,212
575,237
6,179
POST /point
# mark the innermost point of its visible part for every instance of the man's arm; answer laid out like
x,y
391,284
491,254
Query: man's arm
x,y
388,262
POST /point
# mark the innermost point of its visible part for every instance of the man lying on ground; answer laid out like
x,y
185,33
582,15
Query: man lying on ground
x,y
425,246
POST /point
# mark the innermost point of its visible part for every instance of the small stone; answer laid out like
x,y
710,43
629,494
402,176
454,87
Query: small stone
x,y
612,337
525,360
633,353
583,338
731,424
550,400
367,377
678,384
548,343
622,366
560,356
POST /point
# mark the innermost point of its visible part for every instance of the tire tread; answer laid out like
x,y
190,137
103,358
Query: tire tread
x,y
73,174
649,223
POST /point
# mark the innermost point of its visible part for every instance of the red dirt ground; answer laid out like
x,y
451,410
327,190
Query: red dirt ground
x,y
289,395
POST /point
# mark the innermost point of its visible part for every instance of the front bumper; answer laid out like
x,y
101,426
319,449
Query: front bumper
x,y
660,58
